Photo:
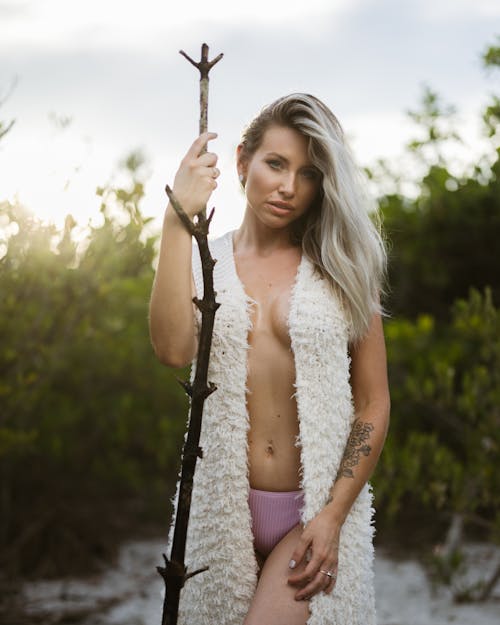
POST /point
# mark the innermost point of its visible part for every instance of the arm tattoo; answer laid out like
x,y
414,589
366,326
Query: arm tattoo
x,y
356,446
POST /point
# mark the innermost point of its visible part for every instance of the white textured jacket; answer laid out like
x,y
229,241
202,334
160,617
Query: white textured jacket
x,y
219,533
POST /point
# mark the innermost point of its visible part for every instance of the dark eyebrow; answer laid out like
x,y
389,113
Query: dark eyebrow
x,y
283,158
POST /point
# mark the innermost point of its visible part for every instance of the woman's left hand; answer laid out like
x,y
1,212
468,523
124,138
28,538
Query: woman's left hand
x,y
321,538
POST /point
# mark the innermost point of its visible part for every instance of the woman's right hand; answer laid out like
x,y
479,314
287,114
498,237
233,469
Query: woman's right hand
x,y
195,178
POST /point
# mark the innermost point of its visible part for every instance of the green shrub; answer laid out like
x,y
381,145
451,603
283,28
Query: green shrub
x,y
444,440
90,422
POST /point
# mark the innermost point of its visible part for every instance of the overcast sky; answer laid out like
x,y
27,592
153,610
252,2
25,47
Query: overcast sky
x,y
99,78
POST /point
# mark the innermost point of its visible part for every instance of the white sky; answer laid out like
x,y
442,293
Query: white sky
x,y
113,69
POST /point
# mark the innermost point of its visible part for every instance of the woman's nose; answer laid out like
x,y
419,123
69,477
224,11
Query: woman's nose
x,y
287,186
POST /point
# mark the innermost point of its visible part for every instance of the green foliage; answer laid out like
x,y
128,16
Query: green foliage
x,y
435,122
491,115
444,439
444,339
491,56
442,242
90,421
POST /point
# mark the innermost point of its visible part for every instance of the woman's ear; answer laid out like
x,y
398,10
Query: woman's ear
x,y
241,161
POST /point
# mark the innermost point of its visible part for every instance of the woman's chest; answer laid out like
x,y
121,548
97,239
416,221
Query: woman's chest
x,y
269,286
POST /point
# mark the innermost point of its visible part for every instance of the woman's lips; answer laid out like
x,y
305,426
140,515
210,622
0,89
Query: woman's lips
x,y
281,208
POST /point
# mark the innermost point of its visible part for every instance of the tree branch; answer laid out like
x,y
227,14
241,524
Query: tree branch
x,y
174,573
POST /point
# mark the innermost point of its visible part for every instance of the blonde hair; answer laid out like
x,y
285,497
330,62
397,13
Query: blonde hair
x,y
337,233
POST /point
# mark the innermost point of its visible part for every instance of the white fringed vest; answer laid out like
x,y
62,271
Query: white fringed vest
x,y
219,533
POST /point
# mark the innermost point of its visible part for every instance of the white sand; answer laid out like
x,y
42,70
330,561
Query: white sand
x,y
131,593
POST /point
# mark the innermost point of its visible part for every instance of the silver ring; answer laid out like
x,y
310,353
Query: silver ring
x,y
329,573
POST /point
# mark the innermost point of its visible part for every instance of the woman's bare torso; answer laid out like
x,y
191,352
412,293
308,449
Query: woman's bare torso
x,y
274,460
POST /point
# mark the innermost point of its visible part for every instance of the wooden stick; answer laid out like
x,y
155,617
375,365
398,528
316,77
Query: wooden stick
x,y
204,66
174,572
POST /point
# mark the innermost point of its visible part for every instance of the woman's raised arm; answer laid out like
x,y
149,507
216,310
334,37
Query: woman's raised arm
x,y
171,310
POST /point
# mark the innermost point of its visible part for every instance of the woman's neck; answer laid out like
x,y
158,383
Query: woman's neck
x,y
260,239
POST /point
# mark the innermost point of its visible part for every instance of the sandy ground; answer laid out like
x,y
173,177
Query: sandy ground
x,y
131,593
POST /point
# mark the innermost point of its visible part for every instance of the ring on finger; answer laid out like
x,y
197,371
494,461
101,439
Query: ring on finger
x,y
330,574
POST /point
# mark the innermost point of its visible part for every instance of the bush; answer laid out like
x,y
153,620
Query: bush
x,y
444,440
91,424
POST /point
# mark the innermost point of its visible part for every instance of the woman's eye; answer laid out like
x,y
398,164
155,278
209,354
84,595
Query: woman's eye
x,y
311,174
274,164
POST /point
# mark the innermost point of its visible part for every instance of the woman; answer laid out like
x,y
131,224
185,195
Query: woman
x,y
281,508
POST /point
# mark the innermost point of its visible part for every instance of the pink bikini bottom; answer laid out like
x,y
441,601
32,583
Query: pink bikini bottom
x,y
273,515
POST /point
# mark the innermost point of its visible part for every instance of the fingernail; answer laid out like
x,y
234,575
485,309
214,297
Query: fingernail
x,y
292,564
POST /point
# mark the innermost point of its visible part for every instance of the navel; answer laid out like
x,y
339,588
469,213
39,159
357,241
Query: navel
x,y
270,448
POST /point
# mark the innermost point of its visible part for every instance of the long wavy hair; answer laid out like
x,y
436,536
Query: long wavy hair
x,y
341,232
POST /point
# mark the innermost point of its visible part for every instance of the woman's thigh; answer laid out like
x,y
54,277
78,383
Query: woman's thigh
x,y
273,602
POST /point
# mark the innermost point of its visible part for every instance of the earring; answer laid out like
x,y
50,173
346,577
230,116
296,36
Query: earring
x,y
241,178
